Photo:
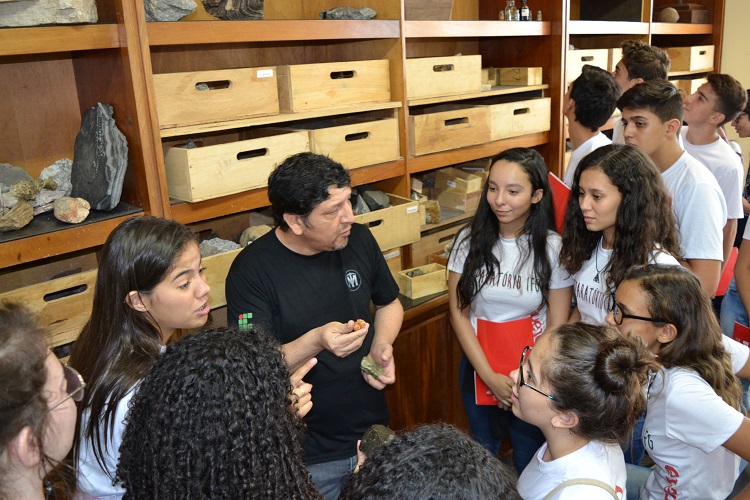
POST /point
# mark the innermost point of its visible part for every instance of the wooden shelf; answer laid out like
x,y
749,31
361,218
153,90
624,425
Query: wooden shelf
x,y
691,72
51,39
188,213
212,32
681,29
607,28
432,161
448,29
505,90
282,117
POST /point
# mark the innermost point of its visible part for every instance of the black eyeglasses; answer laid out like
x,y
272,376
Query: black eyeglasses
x,y
74,386
522,382
618,315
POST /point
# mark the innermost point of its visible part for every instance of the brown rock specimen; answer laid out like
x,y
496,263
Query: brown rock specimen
x,y
235,10
71,210
17,217
27,190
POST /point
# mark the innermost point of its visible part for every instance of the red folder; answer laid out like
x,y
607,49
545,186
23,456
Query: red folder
x,y
502,344
728,273
742,334
560,195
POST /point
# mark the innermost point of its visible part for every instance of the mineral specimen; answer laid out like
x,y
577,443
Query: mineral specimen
x,y
168,10
17,217
39,12
350,13
371,367
235,10
10,175
71,210
60,173
375,437
253,233
216,246
27,190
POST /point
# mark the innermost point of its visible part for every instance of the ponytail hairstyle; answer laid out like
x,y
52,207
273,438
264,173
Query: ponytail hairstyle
x,y
674,294
599,375
482,232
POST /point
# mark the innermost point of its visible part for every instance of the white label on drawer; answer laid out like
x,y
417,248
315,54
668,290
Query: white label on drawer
x,y
411,210
390,255
451,183
265,73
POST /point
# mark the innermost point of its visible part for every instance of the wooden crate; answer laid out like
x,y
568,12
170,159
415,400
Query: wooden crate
x,y
438,257
577,59
513,119
700,57
613,57
446,127
458,180
217,267
393,259
439,76
461,202
312,86
689,86
519,76
233,94
218,170
432,242
395,226
62,306
434,280
428,10
355,142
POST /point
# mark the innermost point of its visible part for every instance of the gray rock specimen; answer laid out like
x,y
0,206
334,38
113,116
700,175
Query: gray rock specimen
x,y
38,12
253,233
235,10
10,175
71,210
216,246
350,13
17,217
60,173
168,10
100,161
45,200
27,190
7,200
375,437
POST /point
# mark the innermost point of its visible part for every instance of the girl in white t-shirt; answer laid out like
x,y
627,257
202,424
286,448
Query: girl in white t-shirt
x,y
693,429
582,385
618,215
504,267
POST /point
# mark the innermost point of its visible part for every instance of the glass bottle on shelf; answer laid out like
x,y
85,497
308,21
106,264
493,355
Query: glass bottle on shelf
x,y
511,12
524,13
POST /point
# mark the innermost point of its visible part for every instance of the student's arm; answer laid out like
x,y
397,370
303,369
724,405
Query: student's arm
x,y
575,316
387,320
739,443
707,271
730,231
558,311
500,385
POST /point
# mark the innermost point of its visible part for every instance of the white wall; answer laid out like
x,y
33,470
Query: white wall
x,y
735,57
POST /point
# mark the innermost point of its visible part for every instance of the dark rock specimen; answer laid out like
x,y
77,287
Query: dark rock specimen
x,y
100,161
350,13
375,437
235,10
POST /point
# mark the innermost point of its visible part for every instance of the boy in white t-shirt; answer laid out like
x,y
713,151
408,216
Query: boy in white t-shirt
x,y
715,103
588,104
640,63
651,117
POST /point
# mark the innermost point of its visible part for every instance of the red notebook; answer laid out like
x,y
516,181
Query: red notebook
x,y
560,195
742,334
728,273
502,343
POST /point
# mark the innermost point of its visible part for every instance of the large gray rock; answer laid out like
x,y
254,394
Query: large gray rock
x,y
216,246
10,175
349,13
38,12
60,173
100,159
168,10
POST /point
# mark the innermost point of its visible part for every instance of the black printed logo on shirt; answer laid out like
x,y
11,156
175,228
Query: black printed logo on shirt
x,y
353,281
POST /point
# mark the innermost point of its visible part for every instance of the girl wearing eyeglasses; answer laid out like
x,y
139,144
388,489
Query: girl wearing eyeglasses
x,y
504,267
150,284
618,215
37,407
582,385
693,429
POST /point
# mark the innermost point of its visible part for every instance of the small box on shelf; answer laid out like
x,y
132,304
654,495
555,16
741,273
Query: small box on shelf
x,y
457,180
699,57
217,267
578,58
459,201
311,86
434,241
423,280
519,76
394,226
513,119
447,126
441,76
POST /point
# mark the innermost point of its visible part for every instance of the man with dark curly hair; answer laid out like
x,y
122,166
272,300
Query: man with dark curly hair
x,y
212,419
307,281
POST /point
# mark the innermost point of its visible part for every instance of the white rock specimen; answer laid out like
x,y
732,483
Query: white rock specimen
x,y
168,10
216,246
71,210
60,173
39,12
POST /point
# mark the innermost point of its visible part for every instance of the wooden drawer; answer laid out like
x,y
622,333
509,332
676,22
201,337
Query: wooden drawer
x,y
458,180
700,57
62,306
311,86
233,94
614,56
439,76
433,242
355,142
519,76
689,86
577,59
217,170
448,127
395,226
217,268
512,119
434,280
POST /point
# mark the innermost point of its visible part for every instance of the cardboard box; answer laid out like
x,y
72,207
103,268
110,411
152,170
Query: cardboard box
x,y
700,57
212,171
447,126
457,180
395,226
327,85
520,76
439,76
513,119
434,280
232,94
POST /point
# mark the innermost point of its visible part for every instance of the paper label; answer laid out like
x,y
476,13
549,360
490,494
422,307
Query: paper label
x,y
265,73
451,183
411,210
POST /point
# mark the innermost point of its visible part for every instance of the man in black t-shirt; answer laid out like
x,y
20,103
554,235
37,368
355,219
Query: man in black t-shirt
x,y
307,282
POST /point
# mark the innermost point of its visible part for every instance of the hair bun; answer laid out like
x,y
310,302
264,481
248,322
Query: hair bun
x,y
619,365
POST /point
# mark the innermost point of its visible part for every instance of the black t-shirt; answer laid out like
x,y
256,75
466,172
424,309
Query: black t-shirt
x,y
289,294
